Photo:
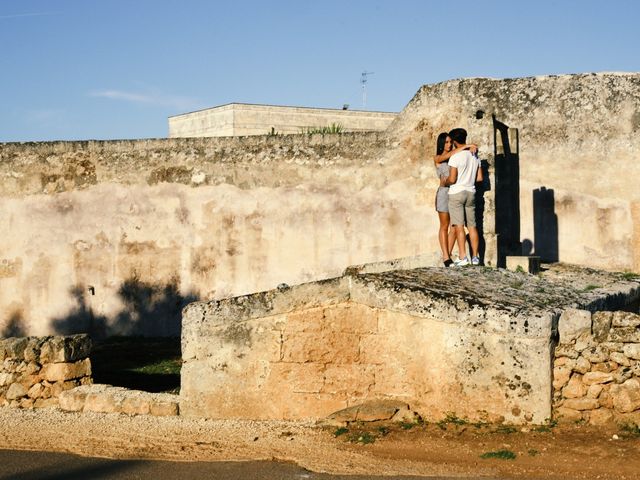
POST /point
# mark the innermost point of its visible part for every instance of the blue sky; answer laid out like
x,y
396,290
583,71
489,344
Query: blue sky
x,y
81,69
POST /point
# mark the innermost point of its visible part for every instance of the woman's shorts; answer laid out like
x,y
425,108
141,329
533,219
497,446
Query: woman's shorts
x,y
442,199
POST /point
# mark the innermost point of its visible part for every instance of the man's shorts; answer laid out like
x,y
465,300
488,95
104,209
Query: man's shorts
x,y
461,205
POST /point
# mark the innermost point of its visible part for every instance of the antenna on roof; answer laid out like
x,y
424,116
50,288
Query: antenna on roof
x,y
363,81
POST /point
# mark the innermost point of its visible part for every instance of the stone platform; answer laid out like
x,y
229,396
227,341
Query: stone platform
x,y
477,342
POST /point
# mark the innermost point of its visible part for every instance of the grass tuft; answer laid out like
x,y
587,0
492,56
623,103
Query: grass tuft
x,y
500,454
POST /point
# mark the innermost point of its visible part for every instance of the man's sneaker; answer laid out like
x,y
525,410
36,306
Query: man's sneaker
x,y
475,261
461,262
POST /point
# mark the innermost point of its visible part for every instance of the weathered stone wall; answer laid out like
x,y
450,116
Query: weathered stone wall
x,y
36,370
115,237
476,342
597,368
572,139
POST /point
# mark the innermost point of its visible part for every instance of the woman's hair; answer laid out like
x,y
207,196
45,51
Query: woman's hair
x,y
440,142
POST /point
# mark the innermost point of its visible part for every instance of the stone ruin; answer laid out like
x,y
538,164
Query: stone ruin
x,y
477,342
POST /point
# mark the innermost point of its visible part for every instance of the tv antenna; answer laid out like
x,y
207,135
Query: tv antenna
x,y
363,81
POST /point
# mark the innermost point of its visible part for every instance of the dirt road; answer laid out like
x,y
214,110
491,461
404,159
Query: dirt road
x,y
451,450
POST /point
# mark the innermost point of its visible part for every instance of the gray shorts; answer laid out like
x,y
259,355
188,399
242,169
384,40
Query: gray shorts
x,y
461,205
442,199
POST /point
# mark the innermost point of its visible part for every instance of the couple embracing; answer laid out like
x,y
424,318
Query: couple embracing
x,y
458,169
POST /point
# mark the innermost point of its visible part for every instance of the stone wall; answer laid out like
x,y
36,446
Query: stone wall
x,y
597,368
475,342
116,237
36,370
560,136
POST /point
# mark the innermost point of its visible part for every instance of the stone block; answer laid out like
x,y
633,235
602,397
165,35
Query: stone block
x,y
102,402
348,379
45,403
626,396
591,378
32,349
15,391
582,365
300,377
26,402
625,319
595,390
624,335
72,401
605,367
632,351
574,388
309,320
35,391
14,348
322,347
567,415
528,264
56,372
7,378
561,376
65,349
564,362
601,324
351,318
601,417
136,404
572,323
595,354
581,403
59,387
164,405
621,358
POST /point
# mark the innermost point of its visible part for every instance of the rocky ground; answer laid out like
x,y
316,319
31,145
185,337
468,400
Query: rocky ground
x,y
451,448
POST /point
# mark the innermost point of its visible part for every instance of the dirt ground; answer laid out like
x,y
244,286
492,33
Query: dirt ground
x,y
451,449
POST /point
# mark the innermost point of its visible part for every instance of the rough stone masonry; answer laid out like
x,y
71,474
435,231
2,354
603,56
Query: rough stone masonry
x,y
36,370
476,342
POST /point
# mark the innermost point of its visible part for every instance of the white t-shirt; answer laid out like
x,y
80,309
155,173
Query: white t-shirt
x,y
467,165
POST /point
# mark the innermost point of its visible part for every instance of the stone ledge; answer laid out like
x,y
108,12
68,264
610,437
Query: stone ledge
x,y
101,398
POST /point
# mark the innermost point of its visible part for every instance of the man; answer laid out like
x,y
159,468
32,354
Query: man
x,y
464,173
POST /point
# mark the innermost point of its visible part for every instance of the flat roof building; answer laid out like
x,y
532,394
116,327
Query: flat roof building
x,y
240,119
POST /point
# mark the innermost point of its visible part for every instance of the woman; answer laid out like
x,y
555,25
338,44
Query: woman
x,y
446,236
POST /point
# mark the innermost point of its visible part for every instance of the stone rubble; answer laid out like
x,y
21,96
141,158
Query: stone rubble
x,y
597,370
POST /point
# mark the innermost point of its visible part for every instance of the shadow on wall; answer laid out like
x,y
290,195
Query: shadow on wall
x,y
485,186
545,226
15,326
149,310
507,190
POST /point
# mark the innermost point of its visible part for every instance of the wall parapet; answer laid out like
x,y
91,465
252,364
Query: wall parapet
x,y
36,370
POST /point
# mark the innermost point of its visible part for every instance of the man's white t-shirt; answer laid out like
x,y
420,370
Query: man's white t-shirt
x,y
467,165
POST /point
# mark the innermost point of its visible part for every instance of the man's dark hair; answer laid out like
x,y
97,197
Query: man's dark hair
x,y
458,135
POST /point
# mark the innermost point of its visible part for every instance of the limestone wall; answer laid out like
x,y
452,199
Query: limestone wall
x,y
573,140
36,370
597,368
116,237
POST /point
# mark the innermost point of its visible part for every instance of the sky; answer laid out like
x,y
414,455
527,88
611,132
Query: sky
x,y
116,69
